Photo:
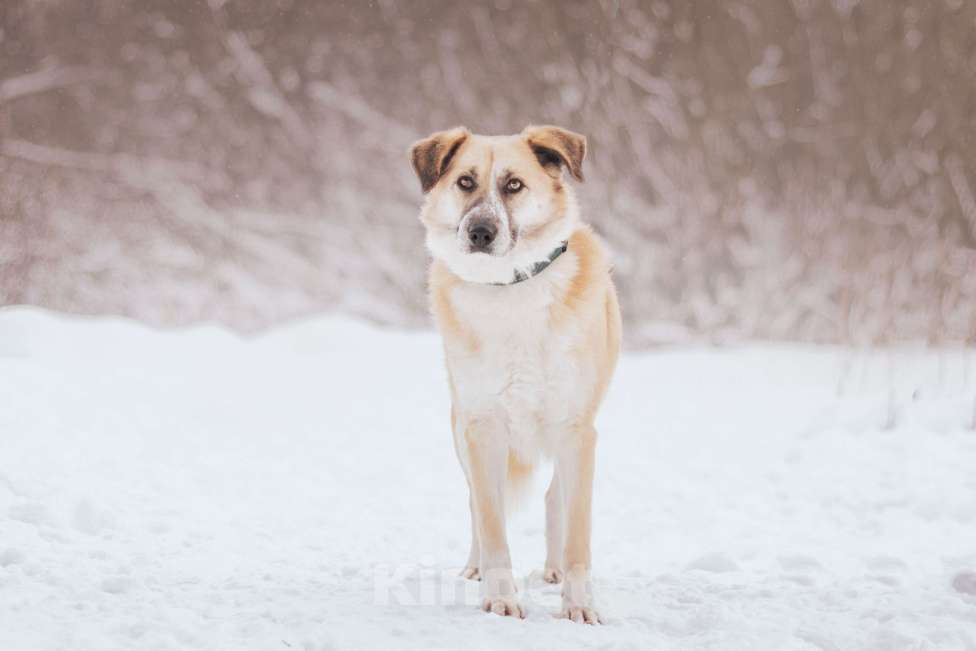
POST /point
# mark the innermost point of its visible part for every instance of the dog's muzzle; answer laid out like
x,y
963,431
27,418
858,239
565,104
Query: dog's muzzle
x,y
479,230
481,233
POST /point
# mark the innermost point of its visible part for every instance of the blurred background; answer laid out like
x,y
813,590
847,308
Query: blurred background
x,y
797,170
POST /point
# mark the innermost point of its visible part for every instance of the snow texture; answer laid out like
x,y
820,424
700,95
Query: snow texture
x,y
196,490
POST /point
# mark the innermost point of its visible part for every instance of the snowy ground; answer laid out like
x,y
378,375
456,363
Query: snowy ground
x,y
192,490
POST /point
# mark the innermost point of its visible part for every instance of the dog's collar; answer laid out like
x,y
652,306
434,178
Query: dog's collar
x,y
537,267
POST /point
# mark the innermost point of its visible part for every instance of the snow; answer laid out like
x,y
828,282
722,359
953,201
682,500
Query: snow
x,y
194,490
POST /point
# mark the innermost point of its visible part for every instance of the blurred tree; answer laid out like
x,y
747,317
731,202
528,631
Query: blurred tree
x,y
794,170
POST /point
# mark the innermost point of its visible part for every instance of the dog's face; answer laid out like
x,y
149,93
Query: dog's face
x,y
497,203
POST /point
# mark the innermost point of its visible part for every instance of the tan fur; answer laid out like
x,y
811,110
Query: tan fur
x,y
569,146
440,282
567,317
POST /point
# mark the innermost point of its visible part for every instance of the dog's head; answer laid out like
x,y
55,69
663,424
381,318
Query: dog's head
x,y
497,203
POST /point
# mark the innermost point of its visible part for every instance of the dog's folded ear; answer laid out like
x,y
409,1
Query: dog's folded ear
x,y
557,146
432,156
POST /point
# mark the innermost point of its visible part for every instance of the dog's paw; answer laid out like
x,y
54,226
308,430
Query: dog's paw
x,y
504,606
552,575
581,614
471,573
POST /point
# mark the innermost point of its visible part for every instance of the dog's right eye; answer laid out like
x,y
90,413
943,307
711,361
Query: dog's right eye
x,y
466,183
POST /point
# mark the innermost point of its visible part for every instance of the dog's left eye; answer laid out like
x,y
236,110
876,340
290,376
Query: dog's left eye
x,y
514,185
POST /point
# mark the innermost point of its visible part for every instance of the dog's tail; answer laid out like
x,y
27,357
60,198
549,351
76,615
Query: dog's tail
x,y
519,481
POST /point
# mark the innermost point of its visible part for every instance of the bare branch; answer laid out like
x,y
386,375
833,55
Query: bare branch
x,y
359,110
964,193
48,79
263,93
93,162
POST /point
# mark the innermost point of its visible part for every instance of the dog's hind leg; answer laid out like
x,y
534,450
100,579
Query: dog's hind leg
x,y
470,570
553,572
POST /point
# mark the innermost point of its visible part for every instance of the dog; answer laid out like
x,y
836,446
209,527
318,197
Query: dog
x,y
521,292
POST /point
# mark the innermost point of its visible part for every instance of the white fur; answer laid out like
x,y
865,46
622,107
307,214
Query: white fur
x,y
524,376
447,239
524,386
526,391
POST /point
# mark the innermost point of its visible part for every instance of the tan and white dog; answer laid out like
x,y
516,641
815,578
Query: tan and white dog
x,y
521,292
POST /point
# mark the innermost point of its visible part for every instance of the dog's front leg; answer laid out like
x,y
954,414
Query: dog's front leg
x,y
574,466
487,459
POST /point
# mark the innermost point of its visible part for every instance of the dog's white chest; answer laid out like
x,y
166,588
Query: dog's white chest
x,y
522,373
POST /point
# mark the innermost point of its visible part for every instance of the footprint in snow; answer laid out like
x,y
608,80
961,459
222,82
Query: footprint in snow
x,y
965,582
10,557
714,562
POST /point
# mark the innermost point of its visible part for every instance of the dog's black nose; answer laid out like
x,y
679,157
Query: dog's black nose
x,y
481,235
